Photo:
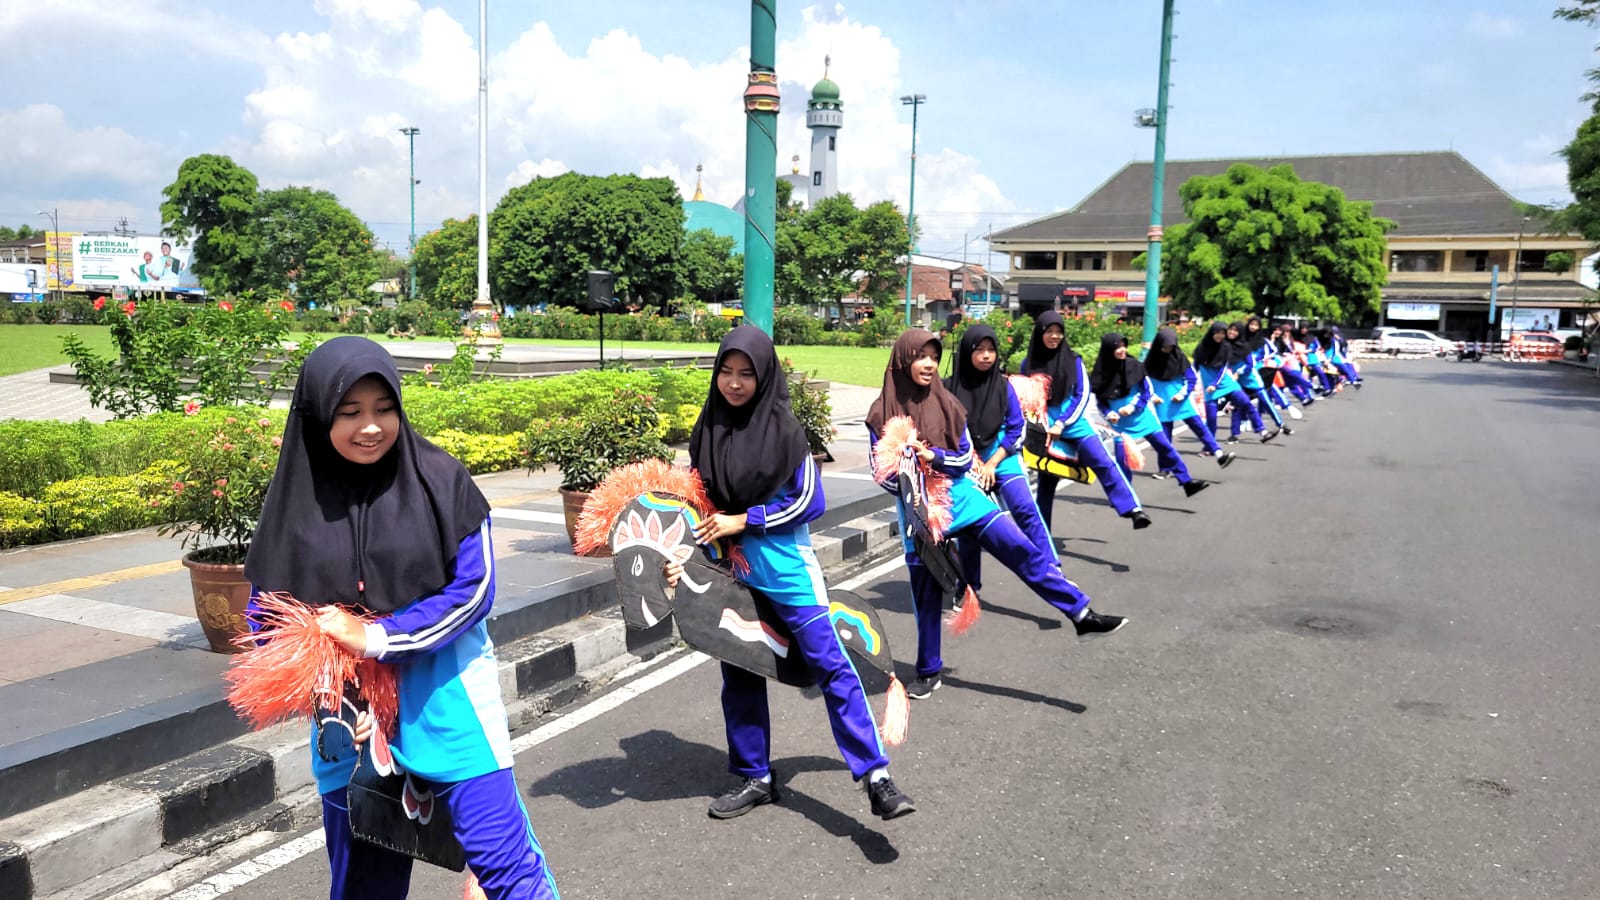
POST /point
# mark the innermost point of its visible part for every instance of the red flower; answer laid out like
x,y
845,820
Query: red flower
x,y
177,487
155,503
427,369
225,306
216,493
222,482
286,305
99,303
129,307
192,407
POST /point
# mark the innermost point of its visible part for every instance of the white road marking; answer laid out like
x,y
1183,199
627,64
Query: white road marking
x,y
849,476
872,574
529,515
117,617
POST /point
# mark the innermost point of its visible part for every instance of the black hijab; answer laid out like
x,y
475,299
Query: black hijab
x,y
1061,364
1239,346
377,536
1257,339
745,454
1113,378
1212,353
1285,341
982,394
939,417
1166,362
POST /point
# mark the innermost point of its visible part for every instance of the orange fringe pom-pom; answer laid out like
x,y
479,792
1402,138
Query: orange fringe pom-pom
x,y
1033,395
474,891
899,433
964,618
289,669
608,498
1131,455
896,714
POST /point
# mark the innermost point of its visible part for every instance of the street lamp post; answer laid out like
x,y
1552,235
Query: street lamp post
x,y
53,242
482,319
1152,268
411,258
913,101
1516,269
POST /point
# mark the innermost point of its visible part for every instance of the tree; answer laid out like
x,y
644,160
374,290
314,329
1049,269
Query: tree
x,y
447,264
835,249
1558,263
1265,239
712,272
545,235
212,201
305,240
20,233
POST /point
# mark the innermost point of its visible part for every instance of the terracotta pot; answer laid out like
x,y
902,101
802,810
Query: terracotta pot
x,y
221,594
571,506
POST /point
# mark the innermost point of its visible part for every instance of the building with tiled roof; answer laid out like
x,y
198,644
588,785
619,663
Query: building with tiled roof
x,y
1453,227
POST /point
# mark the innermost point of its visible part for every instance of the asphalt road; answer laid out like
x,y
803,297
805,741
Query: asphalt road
x,y
1362,665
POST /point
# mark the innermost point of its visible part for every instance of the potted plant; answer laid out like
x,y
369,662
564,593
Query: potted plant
x,y
810,404
227,459
586,449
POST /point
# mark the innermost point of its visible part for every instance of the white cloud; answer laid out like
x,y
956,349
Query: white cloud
x,y
528,170
1538,180
1493,25
39,140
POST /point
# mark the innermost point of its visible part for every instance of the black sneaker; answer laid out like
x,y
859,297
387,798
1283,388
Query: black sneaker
x,y
1161,475
1358,385
1195,487
1287,430
888,802
1140,520
1093,625
1225,459
1232,439
753,793
923,688
1269,435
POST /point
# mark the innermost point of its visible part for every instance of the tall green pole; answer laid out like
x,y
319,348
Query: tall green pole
x,y
1152,271
914,101
411,259
760,165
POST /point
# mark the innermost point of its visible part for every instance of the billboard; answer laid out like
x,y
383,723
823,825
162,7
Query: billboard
x,y
104,262
58,260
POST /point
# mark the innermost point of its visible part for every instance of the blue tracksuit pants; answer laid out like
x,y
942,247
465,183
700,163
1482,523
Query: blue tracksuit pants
x,y
1263,404
749,723
491,824
999,535
1166,455
1241,404
1298,385
1197,425
1017,499
1093,454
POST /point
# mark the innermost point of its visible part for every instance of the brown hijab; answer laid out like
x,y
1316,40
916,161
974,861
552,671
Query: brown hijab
x,y
937,413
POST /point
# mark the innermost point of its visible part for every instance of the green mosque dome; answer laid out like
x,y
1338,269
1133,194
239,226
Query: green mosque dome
x,y
825,91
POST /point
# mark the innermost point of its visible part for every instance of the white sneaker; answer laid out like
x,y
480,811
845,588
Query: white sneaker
x,y
1296,414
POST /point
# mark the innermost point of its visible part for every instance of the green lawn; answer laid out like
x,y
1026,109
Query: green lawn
x,y
27,347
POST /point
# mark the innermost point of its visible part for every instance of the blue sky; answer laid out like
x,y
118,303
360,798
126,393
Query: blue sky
x,y
1029,108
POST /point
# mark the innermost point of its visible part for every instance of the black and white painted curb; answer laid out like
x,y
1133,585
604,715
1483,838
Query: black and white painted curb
x,y
100,840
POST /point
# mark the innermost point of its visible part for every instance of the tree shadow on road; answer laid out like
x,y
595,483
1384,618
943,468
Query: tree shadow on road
x,y
658,766
997,690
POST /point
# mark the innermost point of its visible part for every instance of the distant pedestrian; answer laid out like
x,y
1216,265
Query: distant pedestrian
x,y
1123,391
1175,383
1214,357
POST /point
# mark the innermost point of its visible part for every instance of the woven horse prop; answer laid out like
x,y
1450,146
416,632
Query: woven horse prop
x,y
647,513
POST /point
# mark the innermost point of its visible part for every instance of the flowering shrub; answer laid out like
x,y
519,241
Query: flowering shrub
x,y
585,449
169,351
215,496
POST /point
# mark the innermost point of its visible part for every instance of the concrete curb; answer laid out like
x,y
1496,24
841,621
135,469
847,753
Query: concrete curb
x,y
103,839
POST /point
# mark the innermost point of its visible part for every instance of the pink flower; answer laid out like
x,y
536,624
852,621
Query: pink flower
x,y
99,303
276,442
227,446
222,482
216,493
230,420
427,369
154,503
177,487
225,306
192,407
264,423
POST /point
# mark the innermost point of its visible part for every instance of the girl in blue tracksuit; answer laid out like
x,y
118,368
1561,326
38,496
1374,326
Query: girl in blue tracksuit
x,y
911,388
1260,382
1293,367
1071,430
1214,358
994,422
1246,371
1314,360
1123,390
364,513
1339,356
752,455
1174,382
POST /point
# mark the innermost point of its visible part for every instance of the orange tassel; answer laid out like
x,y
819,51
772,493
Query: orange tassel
x,y
1131,454
896,714
965,617
1033,393
289,668
473,891
898,433
608,498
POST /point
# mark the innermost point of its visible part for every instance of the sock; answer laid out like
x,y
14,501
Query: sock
x,y
877,775
765,779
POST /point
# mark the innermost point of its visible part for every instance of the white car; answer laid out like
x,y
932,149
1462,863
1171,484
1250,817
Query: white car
x,y
1413,340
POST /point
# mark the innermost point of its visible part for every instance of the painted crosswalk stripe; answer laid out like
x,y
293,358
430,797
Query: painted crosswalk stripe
x,y
529,515
117,617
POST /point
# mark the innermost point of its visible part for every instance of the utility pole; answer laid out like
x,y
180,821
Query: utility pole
x,y
482,316
1152,270
411,251
761,166
1516,270
914,101
53,243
